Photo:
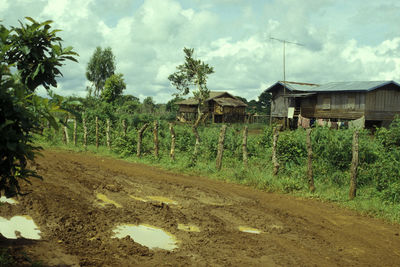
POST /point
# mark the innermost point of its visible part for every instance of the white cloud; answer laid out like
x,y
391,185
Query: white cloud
x,y
342,40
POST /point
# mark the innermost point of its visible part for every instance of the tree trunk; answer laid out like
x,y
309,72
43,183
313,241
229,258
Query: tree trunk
x,y
156,143
97,132
198,140
172,152
66,131
220,152
274,158
139,141
354,165
309,165
75,131
244,146
108,134
84,131
124,127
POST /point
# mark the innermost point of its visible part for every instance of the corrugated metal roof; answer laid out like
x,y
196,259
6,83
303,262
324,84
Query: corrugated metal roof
x,y
352,86
295,86
355,86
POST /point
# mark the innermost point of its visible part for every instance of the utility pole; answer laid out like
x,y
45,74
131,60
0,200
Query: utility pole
x,y
284,42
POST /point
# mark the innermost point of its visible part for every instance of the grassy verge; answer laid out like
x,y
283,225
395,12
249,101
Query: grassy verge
x,y
259,175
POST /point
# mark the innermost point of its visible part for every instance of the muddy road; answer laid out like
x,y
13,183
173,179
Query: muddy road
x,y
83,198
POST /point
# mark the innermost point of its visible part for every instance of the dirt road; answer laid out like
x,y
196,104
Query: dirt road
x,y
77,226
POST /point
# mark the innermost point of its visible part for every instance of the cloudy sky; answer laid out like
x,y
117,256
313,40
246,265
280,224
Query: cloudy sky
x,y
342,40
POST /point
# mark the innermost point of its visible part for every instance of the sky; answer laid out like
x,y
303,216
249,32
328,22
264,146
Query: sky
x,y
340,40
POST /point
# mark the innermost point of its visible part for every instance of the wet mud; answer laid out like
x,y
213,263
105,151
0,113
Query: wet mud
x,y
83,198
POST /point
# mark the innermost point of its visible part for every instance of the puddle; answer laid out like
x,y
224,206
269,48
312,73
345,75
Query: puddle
x,y
162,199
138,198
106,201
188,227
249,230
147,235
23,225
3,199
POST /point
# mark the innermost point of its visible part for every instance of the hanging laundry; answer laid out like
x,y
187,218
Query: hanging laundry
x,y
321,122
305,123
300,118
357,124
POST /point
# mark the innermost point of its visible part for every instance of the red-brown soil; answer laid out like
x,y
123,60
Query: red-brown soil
x,y
76,230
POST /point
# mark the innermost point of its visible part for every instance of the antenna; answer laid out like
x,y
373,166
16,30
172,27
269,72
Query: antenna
x,y
284,42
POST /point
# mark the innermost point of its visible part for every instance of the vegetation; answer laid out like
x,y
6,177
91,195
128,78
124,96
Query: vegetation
x,y
193,72
100,67
36,53
378,190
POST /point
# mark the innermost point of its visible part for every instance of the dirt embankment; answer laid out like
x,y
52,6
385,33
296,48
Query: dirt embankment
x,y
77,227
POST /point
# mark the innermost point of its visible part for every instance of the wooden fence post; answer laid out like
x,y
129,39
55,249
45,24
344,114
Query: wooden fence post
x,y
156,143
97,132
309,165
74,131
274,158
108,134
354,165
84,131
124,127
172,152
66,131
220,152
139,141
244,146
198,140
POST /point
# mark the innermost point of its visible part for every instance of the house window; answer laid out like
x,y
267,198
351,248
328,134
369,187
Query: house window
x,y
351,102
326,103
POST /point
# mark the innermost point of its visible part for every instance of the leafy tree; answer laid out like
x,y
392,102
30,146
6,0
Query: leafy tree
x,y
148,105
127,104
99,68
36,52
171,105
264,100
113,88
193,72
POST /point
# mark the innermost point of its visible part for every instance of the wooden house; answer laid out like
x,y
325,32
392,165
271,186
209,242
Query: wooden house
x,y
376,101
221,107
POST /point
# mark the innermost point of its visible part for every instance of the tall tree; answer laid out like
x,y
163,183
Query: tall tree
x,y
264,100
113,88
99,68
193,73
37,53
149,105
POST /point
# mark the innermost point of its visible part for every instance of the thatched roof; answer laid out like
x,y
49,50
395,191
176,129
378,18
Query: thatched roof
x,y
222,98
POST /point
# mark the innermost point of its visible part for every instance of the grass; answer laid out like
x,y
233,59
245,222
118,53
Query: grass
x,y
259,175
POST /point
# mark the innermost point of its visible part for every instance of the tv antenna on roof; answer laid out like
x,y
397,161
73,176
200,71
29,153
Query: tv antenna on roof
x,y
284,42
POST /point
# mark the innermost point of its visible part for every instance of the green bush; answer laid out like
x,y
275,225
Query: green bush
x,y
291,147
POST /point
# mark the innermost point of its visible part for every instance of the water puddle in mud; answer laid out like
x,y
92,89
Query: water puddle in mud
x,y
147,235
3,199
188,227
249,230
19,226
162,200
106,201
138,198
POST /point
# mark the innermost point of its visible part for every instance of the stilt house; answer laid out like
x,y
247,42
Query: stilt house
x,y
221,107
376,101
